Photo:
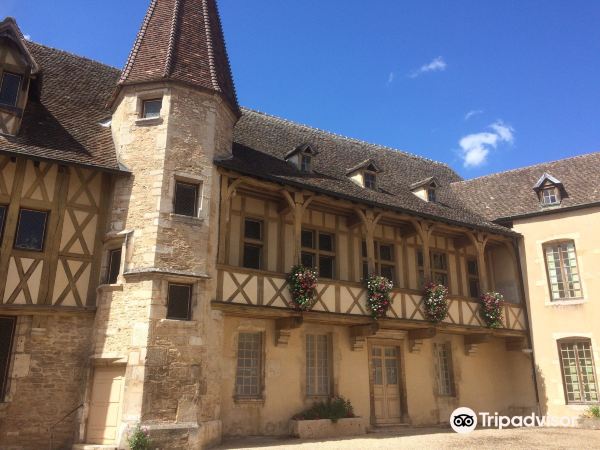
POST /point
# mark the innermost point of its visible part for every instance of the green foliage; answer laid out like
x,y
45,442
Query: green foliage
x,y
435,302
593,412
302,282
139,439
491,309
378,298
334,408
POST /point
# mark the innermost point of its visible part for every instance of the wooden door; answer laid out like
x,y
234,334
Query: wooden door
x,y
385,384
105,405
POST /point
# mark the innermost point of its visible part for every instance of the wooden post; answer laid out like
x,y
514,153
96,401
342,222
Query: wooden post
x,y
227,193
369,220
424,230
297,204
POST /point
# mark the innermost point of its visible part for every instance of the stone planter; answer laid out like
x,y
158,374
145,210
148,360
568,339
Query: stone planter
x,y
589,423
325,428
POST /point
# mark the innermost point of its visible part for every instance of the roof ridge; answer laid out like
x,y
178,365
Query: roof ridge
x,y
531,166
355,140
172,35
209,48
74,55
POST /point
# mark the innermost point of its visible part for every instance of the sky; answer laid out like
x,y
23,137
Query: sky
x,y
483,86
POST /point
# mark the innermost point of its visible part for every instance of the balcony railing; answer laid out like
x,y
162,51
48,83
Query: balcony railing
x,y
258,288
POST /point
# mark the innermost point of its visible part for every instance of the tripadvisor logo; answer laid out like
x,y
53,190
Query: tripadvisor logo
x,y
464,420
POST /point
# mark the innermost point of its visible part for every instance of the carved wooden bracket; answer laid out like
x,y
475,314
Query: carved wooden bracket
x,y
472,342
515,344
359,334
284,327
416,338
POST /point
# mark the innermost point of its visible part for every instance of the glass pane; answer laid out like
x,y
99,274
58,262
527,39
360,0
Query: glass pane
x,y
317,365
152,108
186,199
31,230
249,364
9,91
472,267
388,272
364,249
438,261
305,163
252,256
474,288
308,259
377,372
420,258
114,265
325,242
253,229
386,252
365,271
179,301
369,180
391,371
308,239
326,266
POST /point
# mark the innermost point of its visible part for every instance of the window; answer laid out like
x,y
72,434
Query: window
x,y
384,260
305,163
318,251
445,375
114,265
151,108
550,196
179,302
186,199
431,194
577,365
2,217
370,180
31,230
318,365
253,243
9,89
7,334
439,267
473,278
249,365
563,274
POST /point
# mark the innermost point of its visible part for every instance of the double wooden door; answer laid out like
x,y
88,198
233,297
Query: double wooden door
x,y
386,401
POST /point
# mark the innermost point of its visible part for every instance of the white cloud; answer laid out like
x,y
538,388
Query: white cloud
x,y
476,147
27,37
473,112
436,65
391,77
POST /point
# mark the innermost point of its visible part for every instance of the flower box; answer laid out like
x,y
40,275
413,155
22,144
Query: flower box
x,y
326,428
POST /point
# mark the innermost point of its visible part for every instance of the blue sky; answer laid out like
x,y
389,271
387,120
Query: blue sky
x,y
482,85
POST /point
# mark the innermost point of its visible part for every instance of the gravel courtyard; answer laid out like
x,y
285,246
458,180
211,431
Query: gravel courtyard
x,y
438,438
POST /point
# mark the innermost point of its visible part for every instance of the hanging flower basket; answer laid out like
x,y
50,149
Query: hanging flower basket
x,y
491,309
378,295
435,302
302,282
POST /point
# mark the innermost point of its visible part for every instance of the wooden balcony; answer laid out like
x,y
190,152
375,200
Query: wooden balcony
x,y
266,294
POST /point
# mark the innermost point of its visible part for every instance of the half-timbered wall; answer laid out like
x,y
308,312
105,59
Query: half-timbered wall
x,y
65,273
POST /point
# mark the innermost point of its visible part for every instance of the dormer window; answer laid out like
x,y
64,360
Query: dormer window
x,y
301,157
365,174
9,88
305,163
550,196
370,180
426,189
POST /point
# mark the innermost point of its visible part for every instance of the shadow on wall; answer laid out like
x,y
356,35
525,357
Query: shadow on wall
x,y
541,386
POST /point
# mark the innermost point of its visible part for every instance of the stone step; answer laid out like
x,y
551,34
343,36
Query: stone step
x,y
93,447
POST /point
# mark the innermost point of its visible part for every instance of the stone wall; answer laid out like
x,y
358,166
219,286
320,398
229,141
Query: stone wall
x,y
47,377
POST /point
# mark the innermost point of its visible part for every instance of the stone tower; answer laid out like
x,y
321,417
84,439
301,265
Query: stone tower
x,y
173,113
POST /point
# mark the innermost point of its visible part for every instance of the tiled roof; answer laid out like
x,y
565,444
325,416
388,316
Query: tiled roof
x,y
510,194
63,114
182,40
262,141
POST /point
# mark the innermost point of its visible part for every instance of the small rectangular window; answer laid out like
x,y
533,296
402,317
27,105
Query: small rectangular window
x,y
318,248
7,334
384,260
114,265
9,88
305,163
445,374
473,277
151,108
563,272
370,180
431,195
186,199
253,244
577,365
439,268
550,196
31,230
249,365
179,302
318,365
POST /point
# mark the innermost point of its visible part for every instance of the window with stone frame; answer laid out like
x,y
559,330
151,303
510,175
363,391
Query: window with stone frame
x,y
550,195
114,265
563,272
439,267
7,335
318,365
179,301
577,366
31,230
318,250
444,369
385,263
186,200
253,243
151,108
10,85
473,278
248,379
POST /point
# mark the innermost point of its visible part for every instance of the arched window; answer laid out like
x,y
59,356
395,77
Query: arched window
x,y
563,272
577,367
